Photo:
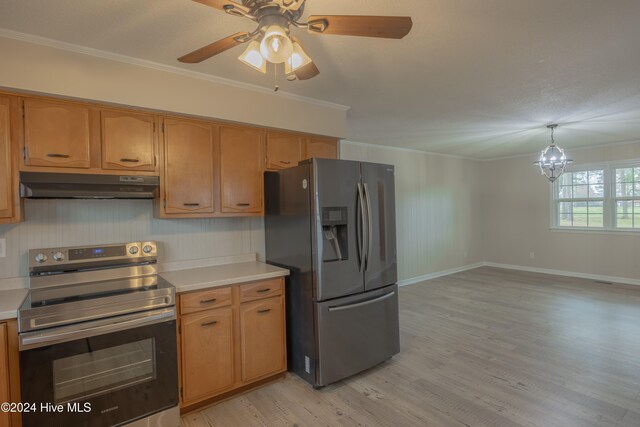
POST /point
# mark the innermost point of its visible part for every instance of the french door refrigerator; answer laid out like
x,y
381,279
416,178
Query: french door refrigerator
x,y
332,224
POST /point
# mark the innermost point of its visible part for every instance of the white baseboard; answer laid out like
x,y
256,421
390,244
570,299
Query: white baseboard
x,y
613,279
437,274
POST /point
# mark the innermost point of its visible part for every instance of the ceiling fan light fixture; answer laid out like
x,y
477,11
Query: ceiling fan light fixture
x,y
297,60
253,58
276,46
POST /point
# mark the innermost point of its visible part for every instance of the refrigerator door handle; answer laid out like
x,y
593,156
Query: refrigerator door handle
x,y
363,303
361,243
369,227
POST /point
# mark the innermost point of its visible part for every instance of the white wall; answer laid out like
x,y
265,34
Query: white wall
x,y
51,223
438,223
516,210
125,81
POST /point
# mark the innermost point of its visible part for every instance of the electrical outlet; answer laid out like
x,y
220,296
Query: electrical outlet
x,y
3,248
532,255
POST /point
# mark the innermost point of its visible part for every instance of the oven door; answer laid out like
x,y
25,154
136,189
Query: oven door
x,y
103,380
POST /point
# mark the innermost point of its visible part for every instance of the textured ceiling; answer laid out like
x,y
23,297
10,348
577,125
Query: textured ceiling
x,y
473,78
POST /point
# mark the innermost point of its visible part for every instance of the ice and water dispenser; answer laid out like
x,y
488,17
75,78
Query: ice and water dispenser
x,y
335,234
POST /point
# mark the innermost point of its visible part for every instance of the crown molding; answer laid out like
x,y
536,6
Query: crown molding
x,y
411,150
70,47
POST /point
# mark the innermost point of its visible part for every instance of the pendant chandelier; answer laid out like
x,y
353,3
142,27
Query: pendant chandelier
x,y
553,161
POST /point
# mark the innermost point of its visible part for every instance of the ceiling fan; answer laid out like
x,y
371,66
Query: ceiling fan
x,y
272,40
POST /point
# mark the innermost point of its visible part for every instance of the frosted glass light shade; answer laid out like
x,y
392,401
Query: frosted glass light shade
x,y
276,45
297,60
253,58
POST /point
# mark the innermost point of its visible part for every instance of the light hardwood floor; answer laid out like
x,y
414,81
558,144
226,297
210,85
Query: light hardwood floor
x,y
487,347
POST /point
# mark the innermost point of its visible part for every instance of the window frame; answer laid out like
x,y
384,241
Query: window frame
x,y
609,198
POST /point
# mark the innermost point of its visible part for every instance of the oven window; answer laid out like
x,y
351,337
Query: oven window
x,y
98,372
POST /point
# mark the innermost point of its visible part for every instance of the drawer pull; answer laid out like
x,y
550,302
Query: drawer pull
x,y
213,322
130,160
266,310
285,163
243,204
59,156
191,204
261,291
208,301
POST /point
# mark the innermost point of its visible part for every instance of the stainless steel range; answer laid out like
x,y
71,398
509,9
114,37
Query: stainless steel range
x,y
98,338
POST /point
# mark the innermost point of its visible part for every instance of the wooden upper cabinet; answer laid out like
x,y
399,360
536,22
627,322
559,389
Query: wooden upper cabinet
x,y
188,174
4,373
128,141
241,182
262,338
283,150
6,186
56,134
321,148
207,353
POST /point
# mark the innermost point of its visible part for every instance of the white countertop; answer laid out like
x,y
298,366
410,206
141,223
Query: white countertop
x,y
221,275
10,301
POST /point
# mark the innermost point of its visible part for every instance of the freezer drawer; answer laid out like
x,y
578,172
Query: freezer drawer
x,y
356,333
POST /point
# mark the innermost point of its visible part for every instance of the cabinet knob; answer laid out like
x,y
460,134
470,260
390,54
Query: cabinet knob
x,y
243,204
191,204
59,156
130,160
261,291
266,310
208,301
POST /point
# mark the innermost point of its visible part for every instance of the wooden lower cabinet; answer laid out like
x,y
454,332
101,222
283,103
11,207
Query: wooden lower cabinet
x,y
207,354
228,349
4,374
262,325
9,372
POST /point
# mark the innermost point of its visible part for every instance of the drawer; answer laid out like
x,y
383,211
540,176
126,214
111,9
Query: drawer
x,y
259,290
205,300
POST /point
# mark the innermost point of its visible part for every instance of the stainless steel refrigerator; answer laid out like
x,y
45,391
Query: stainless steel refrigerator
x,y
332,224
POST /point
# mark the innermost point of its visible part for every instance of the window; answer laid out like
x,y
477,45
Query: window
x,y
627,197
598,197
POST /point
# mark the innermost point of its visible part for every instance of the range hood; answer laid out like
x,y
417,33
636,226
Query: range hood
x,y
43,185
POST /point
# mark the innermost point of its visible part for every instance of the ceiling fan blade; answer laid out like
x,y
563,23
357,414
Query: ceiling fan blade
x,y
307,72
388,27
220,4
214,48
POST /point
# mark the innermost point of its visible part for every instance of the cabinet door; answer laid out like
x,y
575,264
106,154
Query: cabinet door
x,y
6,187
188,150
321,148
128,141
207,354
262,332
4,374
241,170
283,151
56,134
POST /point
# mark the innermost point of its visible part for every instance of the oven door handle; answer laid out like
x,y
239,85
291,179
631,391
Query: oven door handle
x,y
53,336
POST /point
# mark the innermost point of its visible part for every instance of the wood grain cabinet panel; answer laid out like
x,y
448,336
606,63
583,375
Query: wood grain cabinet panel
x,y
128,141
262,336
188,175
207,353
205,300
56,134
4,374
321,148
283,150
6,186
241,170
260,290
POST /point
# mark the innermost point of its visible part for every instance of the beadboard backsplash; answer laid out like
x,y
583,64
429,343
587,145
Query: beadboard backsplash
x,y
52,223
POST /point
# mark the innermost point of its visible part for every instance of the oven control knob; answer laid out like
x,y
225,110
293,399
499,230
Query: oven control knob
x,y
58,256
40,258
147,249
133,250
